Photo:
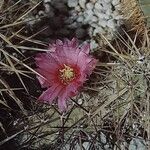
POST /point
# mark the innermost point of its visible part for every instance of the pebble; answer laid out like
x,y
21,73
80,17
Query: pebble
x,y
82,3
80,19
47,8
90,31
93,44
97,6
109,12
108,1
94,25
41,13
102,23
89,12
47,1
94,19
89,6
93,1
78,8
72,3
115,2
87,18
80,101
98,30
111,24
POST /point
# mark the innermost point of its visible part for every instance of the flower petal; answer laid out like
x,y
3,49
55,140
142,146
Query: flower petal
x,y
62,104
44,83
49,76
62,98
74,43
50,94
46,61
59,42
65,94
85,48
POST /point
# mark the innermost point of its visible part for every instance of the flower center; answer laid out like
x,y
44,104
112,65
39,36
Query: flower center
x,y
67,74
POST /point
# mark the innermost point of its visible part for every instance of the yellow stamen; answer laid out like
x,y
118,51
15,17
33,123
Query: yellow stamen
x,y
66,74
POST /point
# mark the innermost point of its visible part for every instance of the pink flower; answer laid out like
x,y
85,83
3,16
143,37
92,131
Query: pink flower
x,y
64,69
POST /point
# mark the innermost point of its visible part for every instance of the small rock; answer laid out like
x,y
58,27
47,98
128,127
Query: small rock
x,y
47,8
82,3
72,3
98,30
78,8
108,1
109,12
89,6
102,23
90,31
87,18
97,6
118,7
47,1
37,16
80,101
137,144
115,2
93,1
107,6
111,24
99,15
86,145
41,13
80,19
94,19
93,44
94,25
89,12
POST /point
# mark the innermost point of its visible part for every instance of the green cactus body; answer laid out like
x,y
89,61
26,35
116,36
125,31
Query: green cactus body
x,y
145,6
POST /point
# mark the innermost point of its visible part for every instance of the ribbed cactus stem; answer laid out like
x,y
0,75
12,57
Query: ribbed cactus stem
x,y
145,6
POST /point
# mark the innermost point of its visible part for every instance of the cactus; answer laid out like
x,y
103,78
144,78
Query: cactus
x,y
145,7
